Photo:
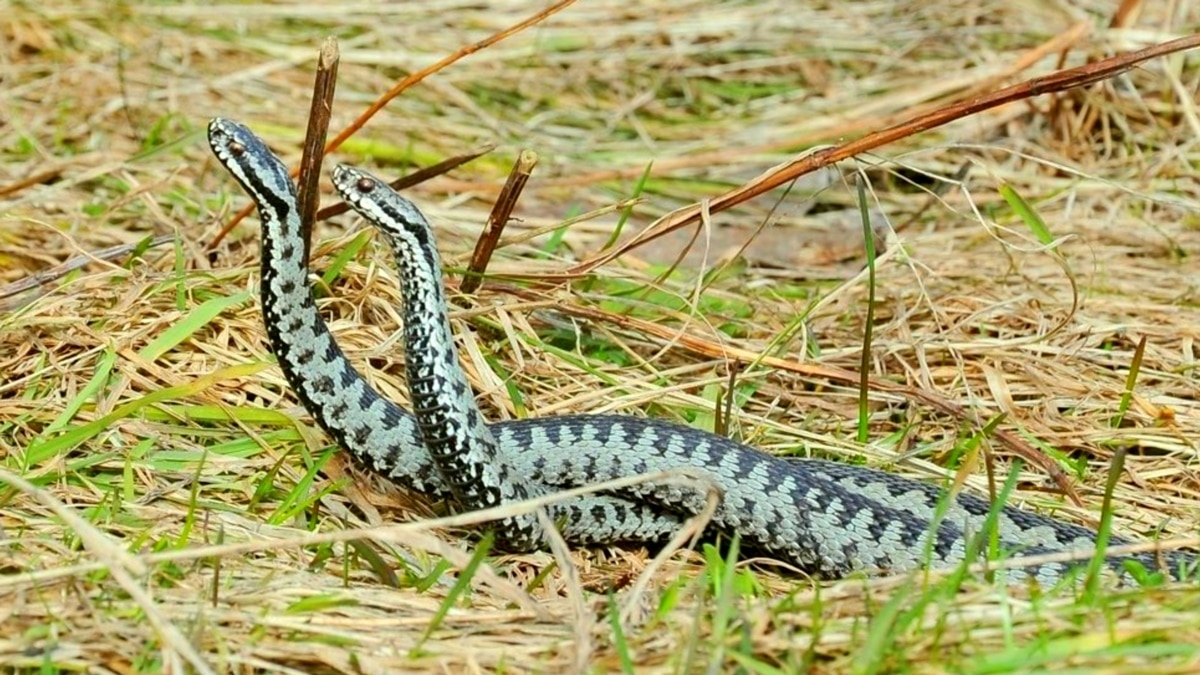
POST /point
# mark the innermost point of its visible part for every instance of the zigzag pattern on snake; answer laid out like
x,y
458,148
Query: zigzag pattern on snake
x,y
825,517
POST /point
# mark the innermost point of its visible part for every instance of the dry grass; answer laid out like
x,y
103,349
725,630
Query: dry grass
x,y
177,505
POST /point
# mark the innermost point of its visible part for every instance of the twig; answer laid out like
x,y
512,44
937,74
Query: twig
x,y
308,185
497,219
58,271
36,179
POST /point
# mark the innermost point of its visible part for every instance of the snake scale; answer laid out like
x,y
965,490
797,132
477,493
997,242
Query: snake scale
x,y
827,518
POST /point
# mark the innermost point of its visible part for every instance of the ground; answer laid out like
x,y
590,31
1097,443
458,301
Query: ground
x,y
167,505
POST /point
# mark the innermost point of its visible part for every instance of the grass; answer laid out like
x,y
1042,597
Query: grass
x,y
165,501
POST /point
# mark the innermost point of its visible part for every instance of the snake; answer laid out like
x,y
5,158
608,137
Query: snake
x,y
826,518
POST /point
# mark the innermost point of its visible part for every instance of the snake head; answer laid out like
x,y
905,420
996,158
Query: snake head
x,y
397,218
260,173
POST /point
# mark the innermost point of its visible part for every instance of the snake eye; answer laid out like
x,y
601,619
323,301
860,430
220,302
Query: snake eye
x,y
237,148
365,185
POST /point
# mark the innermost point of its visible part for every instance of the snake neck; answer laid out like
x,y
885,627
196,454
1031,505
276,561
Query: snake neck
x,y
451,423
478,471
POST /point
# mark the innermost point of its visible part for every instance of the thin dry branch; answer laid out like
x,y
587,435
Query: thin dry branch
x,y
497,219
309,177
816,159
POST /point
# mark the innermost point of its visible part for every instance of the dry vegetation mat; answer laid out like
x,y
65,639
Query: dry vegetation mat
x,y
167,505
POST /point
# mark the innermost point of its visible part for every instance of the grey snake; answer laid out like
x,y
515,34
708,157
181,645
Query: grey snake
x,y
824,517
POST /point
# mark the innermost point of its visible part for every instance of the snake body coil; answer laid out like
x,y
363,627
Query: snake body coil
x,y
825,517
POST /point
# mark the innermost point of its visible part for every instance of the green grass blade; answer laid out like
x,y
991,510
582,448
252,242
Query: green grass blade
x,y
316,604
189,324
1027,213
750,664
383,571
1135,367
181,263
620,644
216,414
301,496
553,243
1092,588
460,586
94,385
189,519
864,411
41,451
344,256
638,189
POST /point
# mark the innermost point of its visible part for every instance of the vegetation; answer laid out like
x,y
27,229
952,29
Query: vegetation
x,y
167,505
